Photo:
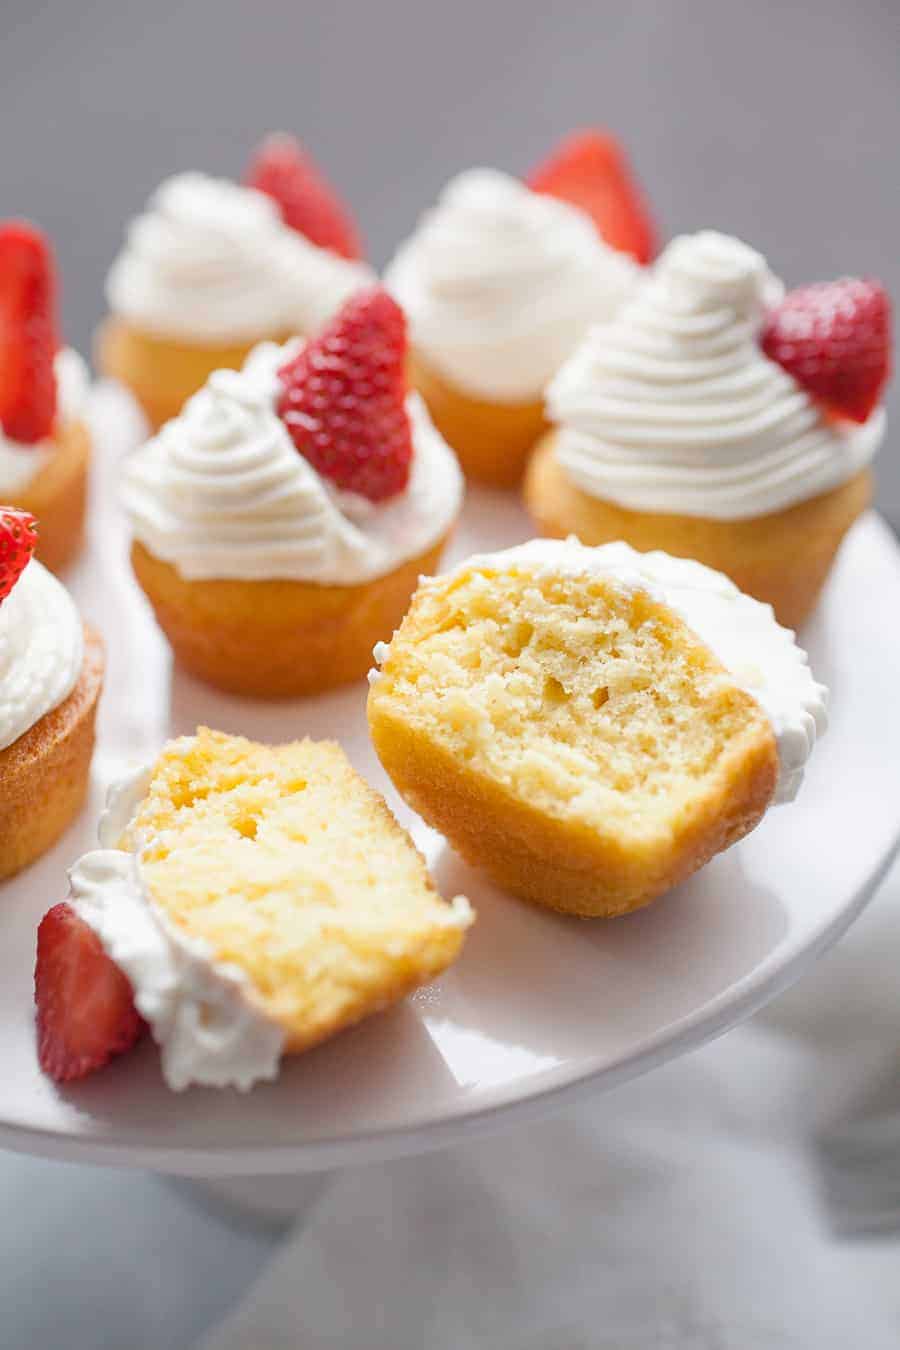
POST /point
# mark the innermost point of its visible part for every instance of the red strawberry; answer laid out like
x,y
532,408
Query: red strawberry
x,y
835,339
590,170
85,1008
18,538
344,398
28,336
282,169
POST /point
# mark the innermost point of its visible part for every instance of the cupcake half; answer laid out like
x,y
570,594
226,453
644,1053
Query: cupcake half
x,y
591,725
500,281
282,521
213,267
51,672
716,419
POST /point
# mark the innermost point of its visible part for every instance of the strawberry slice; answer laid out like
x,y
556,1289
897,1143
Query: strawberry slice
x,y
590,169
18,540
834,338
85,1007
284,171
343,398
28,333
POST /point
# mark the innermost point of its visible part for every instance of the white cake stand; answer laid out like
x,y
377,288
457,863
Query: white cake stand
x,y
540,1008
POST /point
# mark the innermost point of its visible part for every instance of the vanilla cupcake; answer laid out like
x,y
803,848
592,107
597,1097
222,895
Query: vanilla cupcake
x,y
208,271
500,283
677,428
51,671
591,725
281,522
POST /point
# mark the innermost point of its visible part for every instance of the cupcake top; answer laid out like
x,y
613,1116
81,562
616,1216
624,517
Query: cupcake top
x,y
212,261
500,283
222,491
41,651
20,462
759,655
675,407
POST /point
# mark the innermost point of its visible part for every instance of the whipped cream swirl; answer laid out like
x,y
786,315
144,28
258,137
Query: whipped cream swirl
x,y
20,464
41,651
200,1011
761,657
222,492
212,261
674,407
500,283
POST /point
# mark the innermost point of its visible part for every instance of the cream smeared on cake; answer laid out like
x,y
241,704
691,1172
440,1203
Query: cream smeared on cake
x,y
222,492
20,464
212,261
41,651
500,283
673,407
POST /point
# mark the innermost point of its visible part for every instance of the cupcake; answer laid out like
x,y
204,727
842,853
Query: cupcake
x,y
281,522
500,281
718,419
591,725
247,902
214,267
51,670
45,445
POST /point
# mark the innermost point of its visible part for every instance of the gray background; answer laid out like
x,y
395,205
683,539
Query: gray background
x,y
778,121
774,120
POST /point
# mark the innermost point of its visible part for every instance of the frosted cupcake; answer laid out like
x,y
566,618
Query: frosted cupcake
x,y
45,445
281,522
720,420
213,267
500,282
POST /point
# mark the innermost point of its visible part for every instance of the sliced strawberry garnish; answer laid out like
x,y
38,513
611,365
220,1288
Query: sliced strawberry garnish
x,y
834,338
590,170
18,540
85,1008
28,333
343,398
283,170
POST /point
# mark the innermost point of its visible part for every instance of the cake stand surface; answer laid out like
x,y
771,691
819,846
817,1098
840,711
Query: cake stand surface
x,y
541,1007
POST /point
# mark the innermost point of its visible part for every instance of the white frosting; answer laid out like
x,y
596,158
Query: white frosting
x,y
20,464
222,492
674,407
199,1010
41,651
212,261
500,283
761,656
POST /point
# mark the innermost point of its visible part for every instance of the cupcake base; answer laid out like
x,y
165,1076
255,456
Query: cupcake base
x,y
493,441
161,372
44,774
277,639
57,497
782,558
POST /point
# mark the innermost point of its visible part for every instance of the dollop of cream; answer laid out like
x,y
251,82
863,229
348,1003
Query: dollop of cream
x,y
673,407
212,261
500,283
41,651
762,657
222,492
200,1011
20,464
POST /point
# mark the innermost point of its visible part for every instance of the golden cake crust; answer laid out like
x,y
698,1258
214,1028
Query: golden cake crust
x,y
163,373
57,498
492,440
44,774
782,558
277,639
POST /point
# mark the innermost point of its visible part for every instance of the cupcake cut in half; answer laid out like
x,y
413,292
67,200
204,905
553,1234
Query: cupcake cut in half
x,y
256,898
591,726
